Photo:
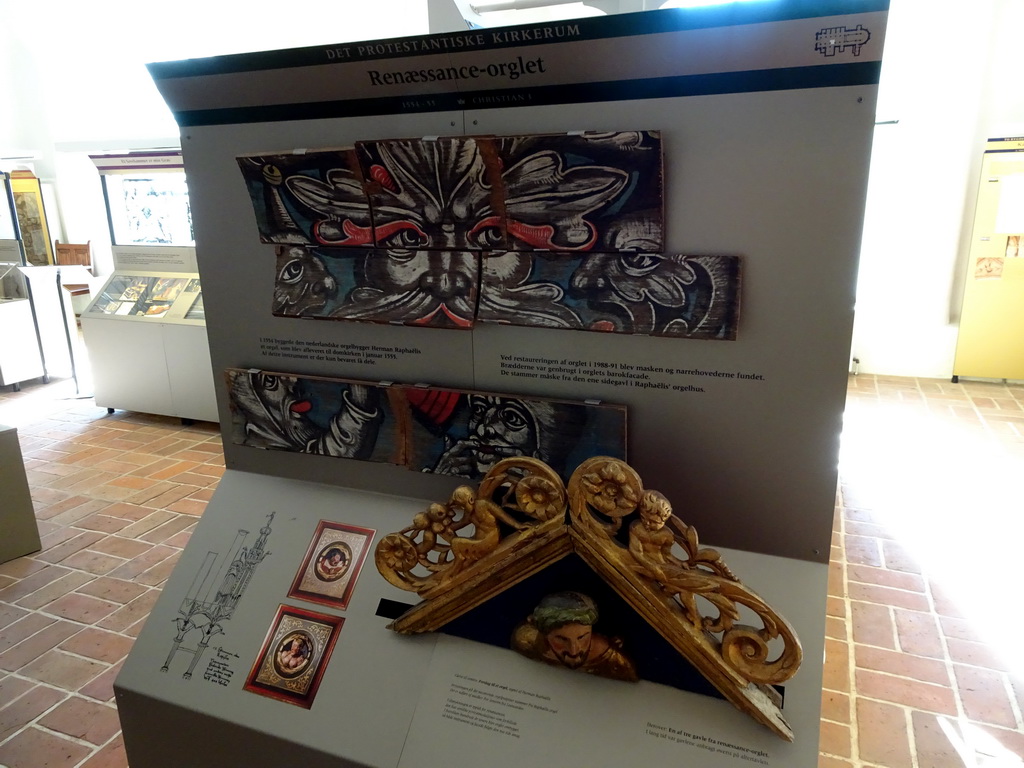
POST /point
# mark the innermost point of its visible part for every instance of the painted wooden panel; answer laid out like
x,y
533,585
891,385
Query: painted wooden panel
x,y
312,198
422,288
456,432
634,293
309,414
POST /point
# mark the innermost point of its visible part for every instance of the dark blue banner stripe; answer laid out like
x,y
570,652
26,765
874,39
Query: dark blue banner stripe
x,y
834,75
592,28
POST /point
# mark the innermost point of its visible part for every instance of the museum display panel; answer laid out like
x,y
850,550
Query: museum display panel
x,y
271,635
146,336
990,340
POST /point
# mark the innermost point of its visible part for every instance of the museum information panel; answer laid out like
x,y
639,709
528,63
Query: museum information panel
x,y
633,236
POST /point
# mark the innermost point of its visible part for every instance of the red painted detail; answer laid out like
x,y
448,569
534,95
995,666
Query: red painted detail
x,y
302,406
380,174
540,235
436,404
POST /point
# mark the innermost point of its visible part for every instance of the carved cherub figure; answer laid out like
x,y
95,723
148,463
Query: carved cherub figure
x,y
484,514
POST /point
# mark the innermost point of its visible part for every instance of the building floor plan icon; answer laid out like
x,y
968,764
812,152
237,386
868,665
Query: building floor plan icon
x,y
833,40
202,614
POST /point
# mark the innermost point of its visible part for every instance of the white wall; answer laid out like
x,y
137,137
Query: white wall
x,y
948,97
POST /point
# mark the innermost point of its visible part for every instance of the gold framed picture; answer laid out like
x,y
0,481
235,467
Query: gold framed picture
x,y
294,655
28,203
332,563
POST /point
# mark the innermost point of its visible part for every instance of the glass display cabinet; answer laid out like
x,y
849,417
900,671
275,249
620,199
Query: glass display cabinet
x,y
146,336
20,355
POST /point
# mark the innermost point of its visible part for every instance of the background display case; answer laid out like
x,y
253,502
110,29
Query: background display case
x,y
20,354
146,336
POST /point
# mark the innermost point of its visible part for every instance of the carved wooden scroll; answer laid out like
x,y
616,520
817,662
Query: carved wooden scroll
x,y
458,554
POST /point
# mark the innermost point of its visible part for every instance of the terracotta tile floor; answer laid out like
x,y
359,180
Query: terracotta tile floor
x,y
923,668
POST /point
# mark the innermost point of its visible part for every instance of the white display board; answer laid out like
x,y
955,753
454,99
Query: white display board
x,y
766,117
765,113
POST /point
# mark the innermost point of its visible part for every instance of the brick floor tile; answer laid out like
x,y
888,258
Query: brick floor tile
x,y
910,693
835,706
862,550
101,687
21,711
871,593
74,515
62,670
82,608
902,664
21,567
835,739
983,693
208,469
882,736
835,628
137,565
836,673
126,511
932,740
111,756
30,584
172,495
827,761
44,497
126,616
168,529
159,573
102,523
63,506
173,470
35,748
38,642
57,535
1000,743
11,688
118,546
835,607
22,628
976,654
188,506
873,625
10,614
897,558
134,482
153,520
945,605
961,629
117,590
883,577
918,633
179,540
61,551
99,645
92,562
83,719
66,583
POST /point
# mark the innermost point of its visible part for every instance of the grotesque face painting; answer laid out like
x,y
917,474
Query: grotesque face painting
x,y
588,192
625,292
314,198
465,434
306,415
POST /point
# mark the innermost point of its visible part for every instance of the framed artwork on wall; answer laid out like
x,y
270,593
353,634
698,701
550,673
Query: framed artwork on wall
x,y
28,204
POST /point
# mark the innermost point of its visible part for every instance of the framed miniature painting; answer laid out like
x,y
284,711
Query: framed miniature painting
x,y
294,656
332,564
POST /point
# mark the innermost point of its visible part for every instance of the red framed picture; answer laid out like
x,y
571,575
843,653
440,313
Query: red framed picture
x,y
332,564
294,655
